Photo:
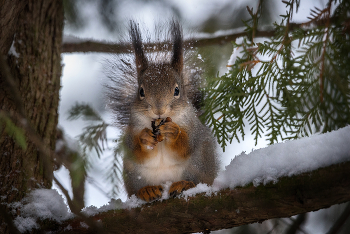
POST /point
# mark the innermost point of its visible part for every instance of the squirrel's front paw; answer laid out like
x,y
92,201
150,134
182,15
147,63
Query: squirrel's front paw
x,y
150,193
180,186
169,130
147,140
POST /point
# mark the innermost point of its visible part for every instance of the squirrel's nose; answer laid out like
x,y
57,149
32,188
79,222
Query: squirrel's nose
x,y
158,110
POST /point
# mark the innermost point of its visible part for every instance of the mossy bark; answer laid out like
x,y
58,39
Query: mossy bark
x,y
34,28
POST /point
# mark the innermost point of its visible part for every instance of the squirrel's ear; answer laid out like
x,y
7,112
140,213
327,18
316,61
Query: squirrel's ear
x,y
177,58
141,60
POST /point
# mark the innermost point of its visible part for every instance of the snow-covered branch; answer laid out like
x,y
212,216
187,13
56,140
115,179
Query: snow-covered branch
x,y
306,192
281,180
73,44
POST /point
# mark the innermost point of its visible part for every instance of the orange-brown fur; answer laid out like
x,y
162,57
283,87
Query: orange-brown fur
x,y
150,193
174,138
181,149
177,187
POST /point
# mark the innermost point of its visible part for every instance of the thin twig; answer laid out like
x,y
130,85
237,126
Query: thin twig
x,y
76,211
340,221
296,225
273,228
327,28
299,228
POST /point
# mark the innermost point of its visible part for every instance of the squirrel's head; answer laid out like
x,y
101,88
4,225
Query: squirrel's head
x,y
161,91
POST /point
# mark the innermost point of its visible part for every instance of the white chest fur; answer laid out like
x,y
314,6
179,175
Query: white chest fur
x,y
162,167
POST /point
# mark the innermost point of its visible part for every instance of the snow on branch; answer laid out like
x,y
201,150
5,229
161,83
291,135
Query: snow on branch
x,y
281,180
72,44
228,208
286,159
89,45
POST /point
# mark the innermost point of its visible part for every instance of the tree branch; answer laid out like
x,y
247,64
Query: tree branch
x,y
341,220
83,45
230,208
294,227
118,48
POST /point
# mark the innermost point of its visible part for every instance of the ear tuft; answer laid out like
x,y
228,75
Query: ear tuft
x,y
140,58
177,57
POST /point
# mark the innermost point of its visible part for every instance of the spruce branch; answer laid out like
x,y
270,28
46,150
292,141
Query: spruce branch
x,y
83,110
293,84
114,172
325,14
94,138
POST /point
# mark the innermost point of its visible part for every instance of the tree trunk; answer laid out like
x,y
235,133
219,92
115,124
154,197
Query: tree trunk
x,y
34,28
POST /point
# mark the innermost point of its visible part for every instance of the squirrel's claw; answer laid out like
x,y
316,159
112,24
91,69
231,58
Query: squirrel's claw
x,y
169,130
150,193
156,128
180,186
147,139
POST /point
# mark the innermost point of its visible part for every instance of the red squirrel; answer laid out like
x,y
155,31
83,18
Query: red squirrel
x,y
164,140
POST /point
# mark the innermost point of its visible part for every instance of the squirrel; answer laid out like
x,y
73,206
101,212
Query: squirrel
x,y
155,103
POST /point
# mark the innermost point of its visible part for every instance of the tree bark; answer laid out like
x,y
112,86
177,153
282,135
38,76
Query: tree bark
x,y
228,208
34,28
9,15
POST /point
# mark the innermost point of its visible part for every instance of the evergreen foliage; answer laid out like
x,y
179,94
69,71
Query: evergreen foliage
x,y
94,136
114,172
94,139
293,84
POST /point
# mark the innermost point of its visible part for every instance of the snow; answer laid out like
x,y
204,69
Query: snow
x,y
25,224
40,204
265,165
59,145
258,167
286,159
72,39
236,53
283,159
200,188
130,203
112,205
12,50
72,144
84,225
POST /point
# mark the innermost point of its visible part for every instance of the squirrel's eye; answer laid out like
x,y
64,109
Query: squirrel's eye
x,y
176,92
142,93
